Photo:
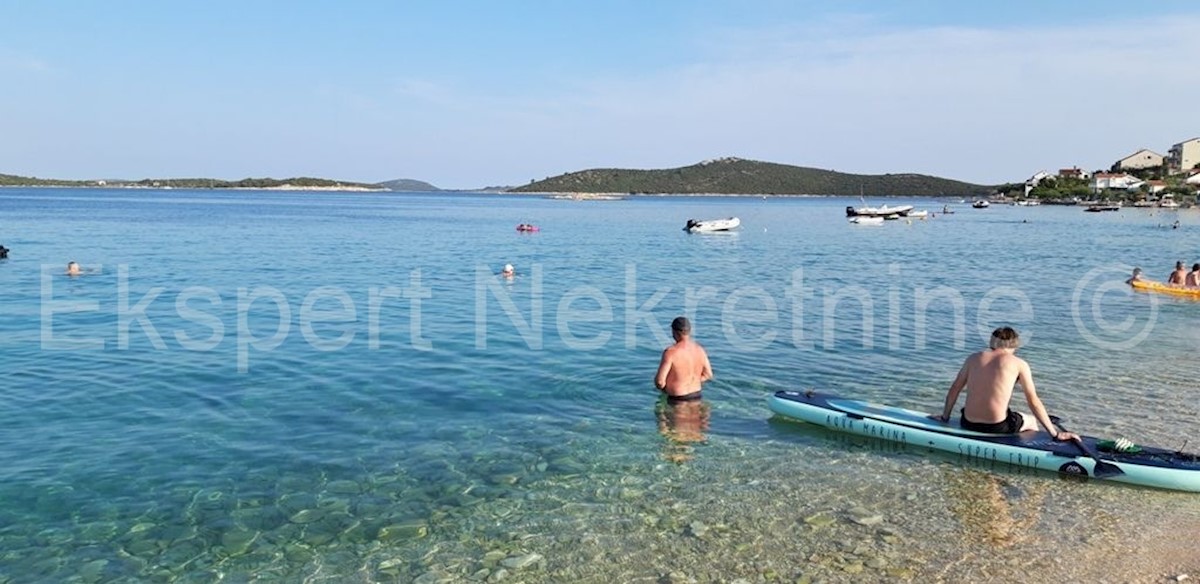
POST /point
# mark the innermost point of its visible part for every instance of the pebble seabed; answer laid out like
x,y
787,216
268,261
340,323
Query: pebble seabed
x,y
684,513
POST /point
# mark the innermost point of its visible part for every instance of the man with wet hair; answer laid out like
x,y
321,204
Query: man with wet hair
x,y
684,365
989,377
1178,276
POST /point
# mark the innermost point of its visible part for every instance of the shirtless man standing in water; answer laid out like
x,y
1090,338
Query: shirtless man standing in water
x,y
684,365
989,377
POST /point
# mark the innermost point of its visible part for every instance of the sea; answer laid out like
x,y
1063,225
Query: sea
x,y
267,386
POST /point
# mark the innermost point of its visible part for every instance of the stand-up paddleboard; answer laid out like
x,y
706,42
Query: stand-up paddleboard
x,y
1116,460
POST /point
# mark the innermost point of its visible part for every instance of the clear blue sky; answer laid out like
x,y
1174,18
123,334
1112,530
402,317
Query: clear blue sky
x,y
469,94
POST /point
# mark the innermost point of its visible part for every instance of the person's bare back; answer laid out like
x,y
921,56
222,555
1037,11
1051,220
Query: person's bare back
x,y
684,365
990,378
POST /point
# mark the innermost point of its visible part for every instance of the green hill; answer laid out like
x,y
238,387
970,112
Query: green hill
x,y
408,184
749,177
187,183
11,180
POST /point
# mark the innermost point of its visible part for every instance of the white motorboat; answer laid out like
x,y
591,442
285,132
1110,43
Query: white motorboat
x,y
1168,202
884,211
918,214
981,204
866,220
712,225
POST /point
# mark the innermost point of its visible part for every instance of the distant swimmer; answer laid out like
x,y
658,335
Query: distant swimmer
x,y
684,365
1192,279
3,252
73,269
1136,277
508,271
1177,277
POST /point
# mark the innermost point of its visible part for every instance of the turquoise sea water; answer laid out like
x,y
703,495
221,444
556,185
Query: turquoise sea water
x,y
337,387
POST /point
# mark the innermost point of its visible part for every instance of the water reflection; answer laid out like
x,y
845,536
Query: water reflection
x,y
683,425
992,510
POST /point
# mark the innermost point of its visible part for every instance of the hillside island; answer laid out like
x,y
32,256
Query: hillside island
x,y
723,176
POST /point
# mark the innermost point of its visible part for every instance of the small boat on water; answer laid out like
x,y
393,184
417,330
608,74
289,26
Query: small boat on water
x,y
712,225
918,214
981,204
946,210
1101,208
1168,202
884,211
1116,460
866,220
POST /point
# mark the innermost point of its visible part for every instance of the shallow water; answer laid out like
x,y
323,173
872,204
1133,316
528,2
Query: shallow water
x,y
265,385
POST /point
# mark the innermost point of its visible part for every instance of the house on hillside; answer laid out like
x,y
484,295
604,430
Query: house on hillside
x,y
1037,178
1141,159
1156,186
1184,155
1115,180
1074,172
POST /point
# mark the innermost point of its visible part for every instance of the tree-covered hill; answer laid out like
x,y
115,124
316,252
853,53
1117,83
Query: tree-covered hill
x,y
408,184
191,183
737,176
10,180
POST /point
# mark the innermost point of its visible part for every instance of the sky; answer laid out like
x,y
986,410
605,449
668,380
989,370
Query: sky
x,y
468,94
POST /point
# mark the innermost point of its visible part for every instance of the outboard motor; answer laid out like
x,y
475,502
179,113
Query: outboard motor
x,y
850,212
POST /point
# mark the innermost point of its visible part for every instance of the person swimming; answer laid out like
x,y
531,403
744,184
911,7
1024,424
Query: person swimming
x,y
508,271
3,252
73,269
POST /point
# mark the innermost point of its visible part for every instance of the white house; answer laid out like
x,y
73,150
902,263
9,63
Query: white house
x,y
1184,155
1111,180
1141,159
1194,179
1156,186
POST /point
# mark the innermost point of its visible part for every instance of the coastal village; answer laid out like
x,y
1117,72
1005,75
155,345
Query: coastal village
x,y
1143,178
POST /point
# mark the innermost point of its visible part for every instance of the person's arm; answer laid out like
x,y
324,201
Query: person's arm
x,y
960,381
707,373
1025,378
664,367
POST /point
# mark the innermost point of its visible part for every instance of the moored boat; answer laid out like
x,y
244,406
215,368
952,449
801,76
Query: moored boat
x,y
712,225
1102,208
981,204
866,220
884,211
1117,460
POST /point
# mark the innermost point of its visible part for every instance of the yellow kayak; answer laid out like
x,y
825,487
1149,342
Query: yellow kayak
x,y
1148,286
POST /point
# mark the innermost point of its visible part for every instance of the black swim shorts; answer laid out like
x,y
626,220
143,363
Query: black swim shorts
x,y
1010,425
679,399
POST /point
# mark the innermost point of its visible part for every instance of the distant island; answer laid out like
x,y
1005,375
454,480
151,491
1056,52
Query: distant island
x,y
723,176
735,176
297,183
408,185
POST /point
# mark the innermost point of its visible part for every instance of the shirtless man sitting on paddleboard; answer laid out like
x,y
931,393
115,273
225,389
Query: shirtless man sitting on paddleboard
x,y
684,365
989,377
